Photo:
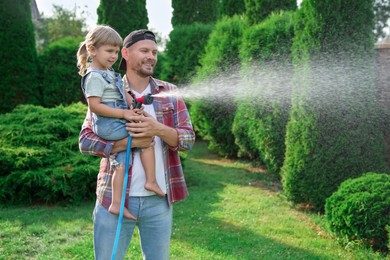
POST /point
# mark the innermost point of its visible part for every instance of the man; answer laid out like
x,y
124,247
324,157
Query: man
x,y
166,126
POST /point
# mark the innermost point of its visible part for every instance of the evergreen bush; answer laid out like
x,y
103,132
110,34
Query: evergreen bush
x,y
334,132
360,210
40,159
60,82
258,10
186,12
18,68
260,121
123,15
213,118
183,52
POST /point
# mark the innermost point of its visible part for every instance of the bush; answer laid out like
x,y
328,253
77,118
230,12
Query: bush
x,y
18,68
183,52
59,73
334,131
213,119
40,159
360,210
266,59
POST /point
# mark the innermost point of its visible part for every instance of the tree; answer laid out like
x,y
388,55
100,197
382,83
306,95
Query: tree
x,y
334,132
123,15
183,53
60,82
52,29
18,56
186,12
231,7
382,15
258,10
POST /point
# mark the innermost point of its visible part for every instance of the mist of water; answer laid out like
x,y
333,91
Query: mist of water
x,y
326,82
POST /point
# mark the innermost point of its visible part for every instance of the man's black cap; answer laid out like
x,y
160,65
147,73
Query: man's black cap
x,y
133,37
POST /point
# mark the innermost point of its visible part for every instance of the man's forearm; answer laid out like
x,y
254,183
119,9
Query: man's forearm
x,y
140,142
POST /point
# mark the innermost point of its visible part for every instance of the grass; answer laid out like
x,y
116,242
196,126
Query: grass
x,y
233,212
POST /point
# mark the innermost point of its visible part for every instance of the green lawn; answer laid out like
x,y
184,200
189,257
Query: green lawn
x,y
233,212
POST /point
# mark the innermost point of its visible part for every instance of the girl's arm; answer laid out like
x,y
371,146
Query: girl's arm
x,y
91,144
101,109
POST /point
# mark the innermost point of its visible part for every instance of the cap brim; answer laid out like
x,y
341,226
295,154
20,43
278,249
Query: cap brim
x,y
122,64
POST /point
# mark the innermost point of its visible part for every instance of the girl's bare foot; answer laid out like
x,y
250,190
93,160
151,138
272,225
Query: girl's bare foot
x,y
153,186
114,209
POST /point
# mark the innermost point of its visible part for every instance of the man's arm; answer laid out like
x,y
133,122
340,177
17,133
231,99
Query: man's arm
x,y
181,136
91,144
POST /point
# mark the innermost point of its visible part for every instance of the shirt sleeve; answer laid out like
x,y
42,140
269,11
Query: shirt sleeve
x,y
94,86
185,131
90,143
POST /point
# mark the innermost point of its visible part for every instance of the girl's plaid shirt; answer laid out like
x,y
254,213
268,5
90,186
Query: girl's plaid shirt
x,y
171,111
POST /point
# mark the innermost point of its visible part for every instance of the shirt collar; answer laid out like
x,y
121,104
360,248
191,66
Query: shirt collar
x,y
155,86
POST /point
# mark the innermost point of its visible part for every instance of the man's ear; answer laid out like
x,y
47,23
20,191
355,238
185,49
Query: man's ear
x,y
124,53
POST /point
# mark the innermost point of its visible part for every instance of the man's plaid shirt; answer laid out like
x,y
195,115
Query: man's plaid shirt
x,y
170,111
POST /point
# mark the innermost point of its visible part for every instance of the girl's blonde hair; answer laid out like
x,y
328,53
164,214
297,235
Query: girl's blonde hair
x,y
97,37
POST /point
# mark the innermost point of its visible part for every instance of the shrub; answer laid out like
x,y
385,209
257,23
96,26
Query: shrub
x,y
183,52
213,119
360,210
40,159
266,59
334,131
60,78
18,68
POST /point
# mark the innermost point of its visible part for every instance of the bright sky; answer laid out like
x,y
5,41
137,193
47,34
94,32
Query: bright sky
x,y
159,12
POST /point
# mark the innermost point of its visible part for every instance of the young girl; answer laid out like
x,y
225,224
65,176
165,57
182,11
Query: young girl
x,y
109,103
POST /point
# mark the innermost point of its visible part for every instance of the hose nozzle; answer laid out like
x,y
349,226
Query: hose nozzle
x,y
146,100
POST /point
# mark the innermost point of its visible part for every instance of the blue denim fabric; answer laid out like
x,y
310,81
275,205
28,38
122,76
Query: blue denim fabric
x,y
154,221
111,128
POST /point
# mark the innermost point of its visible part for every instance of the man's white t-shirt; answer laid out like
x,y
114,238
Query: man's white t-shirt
x,y
138,178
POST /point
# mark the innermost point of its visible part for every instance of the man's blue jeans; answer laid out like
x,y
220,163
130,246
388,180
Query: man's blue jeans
x,y
154,221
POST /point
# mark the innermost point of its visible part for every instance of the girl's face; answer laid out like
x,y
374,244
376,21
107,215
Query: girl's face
x,y
104,57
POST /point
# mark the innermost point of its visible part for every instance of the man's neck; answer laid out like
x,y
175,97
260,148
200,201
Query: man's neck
x,y
137,82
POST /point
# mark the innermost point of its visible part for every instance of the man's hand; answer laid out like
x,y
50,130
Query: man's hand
x,y
148,126
141,126
140,142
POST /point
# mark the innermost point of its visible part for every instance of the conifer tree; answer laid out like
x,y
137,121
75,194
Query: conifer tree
x,y
186,12
231,7
258,10
18,56
334,132
123,15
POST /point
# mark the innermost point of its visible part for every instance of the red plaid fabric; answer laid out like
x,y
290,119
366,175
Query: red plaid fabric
x,y
171,111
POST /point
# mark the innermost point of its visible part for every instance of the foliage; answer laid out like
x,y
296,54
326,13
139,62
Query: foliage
x,y
231,7
382,17
18,55
39,156
360,210
60,82
270,40
186,12
334,132
222,48
51,29
260,123
213,118
183,52
123,15
258,10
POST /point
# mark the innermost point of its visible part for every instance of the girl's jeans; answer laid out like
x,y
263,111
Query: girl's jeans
x,y
111,129
154,222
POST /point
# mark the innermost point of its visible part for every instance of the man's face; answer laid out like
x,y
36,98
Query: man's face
x,y
142,57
